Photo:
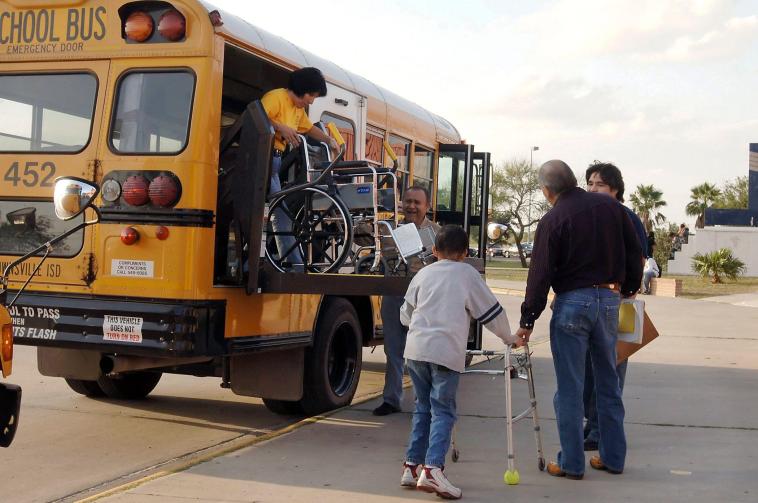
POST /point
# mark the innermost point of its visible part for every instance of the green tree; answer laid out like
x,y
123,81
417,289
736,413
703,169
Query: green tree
x,y
701,197
717,264
733,194
514,187
663,245
647,202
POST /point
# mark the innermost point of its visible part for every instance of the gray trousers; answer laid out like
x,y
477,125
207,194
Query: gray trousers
x,y
394,347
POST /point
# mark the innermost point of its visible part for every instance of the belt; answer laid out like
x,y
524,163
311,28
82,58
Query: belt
x,y
278,153
616,287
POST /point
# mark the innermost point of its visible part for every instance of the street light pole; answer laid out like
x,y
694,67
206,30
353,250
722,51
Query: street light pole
x,y
529,217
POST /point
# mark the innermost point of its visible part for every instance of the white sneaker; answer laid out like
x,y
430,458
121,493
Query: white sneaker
x,y
432,480
410,475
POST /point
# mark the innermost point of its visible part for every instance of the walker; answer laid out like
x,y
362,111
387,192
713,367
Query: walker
x,y
517,365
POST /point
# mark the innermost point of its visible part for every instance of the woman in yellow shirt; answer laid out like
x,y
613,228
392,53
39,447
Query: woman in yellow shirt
x,y
285,108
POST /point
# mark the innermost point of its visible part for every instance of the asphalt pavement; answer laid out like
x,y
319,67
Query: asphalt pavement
x,y
691,424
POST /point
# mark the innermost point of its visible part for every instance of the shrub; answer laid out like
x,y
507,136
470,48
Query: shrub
x,y
717,264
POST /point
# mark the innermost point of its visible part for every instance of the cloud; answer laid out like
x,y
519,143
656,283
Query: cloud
x,y
735,35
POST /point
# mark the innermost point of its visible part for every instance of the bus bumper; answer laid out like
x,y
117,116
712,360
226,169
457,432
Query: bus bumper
x,y
10,406
115,325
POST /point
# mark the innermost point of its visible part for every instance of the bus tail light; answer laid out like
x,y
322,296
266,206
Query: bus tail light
x,y
135,190
172,25
161,232
6,351
163,191
139,26
129,236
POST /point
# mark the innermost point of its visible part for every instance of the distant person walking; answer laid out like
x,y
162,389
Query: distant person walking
x,y
587,250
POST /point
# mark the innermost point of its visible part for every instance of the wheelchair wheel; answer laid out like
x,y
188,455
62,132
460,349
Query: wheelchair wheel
x,y
311,226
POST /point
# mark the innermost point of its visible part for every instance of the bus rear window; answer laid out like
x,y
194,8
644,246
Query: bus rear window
x,y
152,112
46,112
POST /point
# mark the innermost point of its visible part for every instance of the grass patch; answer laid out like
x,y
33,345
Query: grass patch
x,y
693,287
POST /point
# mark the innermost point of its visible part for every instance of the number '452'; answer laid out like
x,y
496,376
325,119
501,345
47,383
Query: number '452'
x,y
33,174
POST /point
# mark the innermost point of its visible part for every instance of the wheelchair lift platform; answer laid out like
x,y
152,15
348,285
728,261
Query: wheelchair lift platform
x,y
273,281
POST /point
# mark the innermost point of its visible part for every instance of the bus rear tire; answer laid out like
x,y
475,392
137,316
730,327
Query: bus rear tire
x,y
333,363
131,386
86,388
283,407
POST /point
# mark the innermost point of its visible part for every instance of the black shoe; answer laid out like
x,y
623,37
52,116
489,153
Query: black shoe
x,y
386,409
590,445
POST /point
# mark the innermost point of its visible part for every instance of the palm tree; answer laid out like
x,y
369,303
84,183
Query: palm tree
x,y
646,202
718,263
701,197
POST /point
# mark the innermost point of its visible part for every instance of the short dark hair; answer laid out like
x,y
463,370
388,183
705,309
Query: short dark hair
x,y
422,189
452,239
610,174
307,80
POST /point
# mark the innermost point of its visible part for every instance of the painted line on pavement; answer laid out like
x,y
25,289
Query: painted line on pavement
x,y
237,445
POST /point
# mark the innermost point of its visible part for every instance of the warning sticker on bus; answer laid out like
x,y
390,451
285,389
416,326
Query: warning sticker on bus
x,y
132,268
122,328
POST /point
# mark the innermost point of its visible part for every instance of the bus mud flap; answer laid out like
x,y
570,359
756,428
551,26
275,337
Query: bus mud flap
x,y
269,374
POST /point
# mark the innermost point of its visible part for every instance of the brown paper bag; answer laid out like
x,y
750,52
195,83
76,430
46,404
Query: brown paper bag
x,y
626,349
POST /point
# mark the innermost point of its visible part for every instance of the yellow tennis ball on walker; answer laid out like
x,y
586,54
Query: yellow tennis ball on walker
x,y
511,477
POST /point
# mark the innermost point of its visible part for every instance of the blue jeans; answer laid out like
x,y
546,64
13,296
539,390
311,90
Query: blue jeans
x,y
587,319
434,416
394,347
287,246
591,429
646,277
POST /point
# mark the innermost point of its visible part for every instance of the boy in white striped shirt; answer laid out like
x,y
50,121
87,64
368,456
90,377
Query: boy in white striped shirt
x,y
440,303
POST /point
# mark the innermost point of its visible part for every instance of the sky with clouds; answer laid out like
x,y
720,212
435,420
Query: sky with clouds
x,y
663,89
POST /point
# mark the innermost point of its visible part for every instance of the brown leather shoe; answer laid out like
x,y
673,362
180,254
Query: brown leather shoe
x,y
556,471
597,464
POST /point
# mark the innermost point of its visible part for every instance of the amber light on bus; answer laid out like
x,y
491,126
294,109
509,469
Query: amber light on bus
x,y
6,352
141,20
139,26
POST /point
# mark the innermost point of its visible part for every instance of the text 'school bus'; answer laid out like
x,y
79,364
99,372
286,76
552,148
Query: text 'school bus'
x,y
135,97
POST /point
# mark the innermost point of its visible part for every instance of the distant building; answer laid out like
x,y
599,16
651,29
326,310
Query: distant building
x,y
736,229
740,217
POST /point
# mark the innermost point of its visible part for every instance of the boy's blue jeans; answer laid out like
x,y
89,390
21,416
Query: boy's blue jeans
x,y
281,222
434,416
587,318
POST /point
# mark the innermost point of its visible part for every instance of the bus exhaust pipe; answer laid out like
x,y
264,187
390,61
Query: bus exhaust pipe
x,y
116,364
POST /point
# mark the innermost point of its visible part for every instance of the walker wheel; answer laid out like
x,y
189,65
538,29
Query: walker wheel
x,y
511,477
456,455
541,464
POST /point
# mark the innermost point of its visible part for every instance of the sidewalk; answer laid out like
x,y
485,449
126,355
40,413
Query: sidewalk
x,y
692,429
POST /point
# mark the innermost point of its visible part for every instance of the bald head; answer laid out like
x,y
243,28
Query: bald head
x,y
556,177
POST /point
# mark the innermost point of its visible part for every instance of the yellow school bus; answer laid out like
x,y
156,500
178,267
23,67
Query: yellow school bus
x,y
136,97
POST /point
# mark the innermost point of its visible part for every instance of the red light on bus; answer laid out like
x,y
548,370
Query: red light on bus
x,y
161,233
129,236
164,191
172,25
139,26
135,190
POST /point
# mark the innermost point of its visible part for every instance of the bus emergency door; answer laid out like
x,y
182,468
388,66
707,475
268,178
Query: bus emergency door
x,y
480,191
460,199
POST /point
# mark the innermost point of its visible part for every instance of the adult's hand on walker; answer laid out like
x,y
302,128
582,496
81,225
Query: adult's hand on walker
x,y
522,335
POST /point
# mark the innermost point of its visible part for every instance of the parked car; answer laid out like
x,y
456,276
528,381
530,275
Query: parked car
x,y
496,250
